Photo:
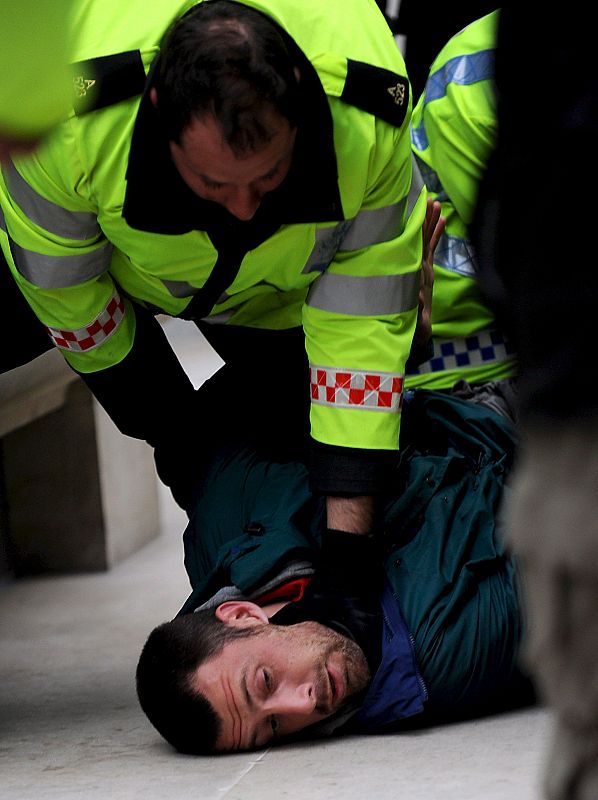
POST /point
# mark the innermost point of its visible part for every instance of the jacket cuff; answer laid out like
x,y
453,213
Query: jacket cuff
x,y
349,471
147,395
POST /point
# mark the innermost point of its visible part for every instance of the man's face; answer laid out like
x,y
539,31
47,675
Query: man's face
x,y
213,171
280,681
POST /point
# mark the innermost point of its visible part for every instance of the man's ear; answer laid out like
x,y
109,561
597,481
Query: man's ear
x,y
154,97
241,614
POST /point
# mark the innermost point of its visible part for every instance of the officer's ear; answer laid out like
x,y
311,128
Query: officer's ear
x,y
154,97
241,614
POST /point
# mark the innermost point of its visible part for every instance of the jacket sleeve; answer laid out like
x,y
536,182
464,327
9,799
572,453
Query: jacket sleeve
x,y
459,169
359,319
454,122
60,259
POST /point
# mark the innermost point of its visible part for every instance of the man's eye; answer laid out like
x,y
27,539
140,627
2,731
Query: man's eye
x,y
212,184
275,725
267,680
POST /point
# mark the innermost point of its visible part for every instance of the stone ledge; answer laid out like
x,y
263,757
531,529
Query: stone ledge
x,y
79,495
33,390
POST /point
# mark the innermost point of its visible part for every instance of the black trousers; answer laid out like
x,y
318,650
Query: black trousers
x,y
263,388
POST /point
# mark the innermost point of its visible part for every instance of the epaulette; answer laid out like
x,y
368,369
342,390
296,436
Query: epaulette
x,y
106,80
378,91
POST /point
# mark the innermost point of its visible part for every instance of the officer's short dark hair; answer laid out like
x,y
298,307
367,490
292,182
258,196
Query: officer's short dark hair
x,y
170,656
229,61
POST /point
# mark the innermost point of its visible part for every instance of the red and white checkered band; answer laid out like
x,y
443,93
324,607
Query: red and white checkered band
x,y
92,335
352,388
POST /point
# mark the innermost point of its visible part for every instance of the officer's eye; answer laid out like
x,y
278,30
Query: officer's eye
x,y
212,184
271,175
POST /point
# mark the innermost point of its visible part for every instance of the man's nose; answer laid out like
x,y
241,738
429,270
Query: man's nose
x,y
298,699
243,202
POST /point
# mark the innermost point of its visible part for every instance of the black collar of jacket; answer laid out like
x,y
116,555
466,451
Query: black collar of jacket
x,y
157,200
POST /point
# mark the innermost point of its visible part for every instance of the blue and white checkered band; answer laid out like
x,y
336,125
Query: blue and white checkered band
x,y
472,351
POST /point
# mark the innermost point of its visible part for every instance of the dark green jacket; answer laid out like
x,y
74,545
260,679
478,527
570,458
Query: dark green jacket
x,y
444,556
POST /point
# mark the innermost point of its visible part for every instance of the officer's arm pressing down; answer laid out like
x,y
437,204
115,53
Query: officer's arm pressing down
x,y
357,515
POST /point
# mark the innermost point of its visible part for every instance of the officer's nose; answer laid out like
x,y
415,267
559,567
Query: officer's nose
x,y
243,202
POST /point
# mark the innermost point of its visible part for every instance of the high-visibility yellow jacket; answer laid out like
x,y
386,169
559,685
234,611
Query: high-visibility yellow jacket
x,y
453,131
100,216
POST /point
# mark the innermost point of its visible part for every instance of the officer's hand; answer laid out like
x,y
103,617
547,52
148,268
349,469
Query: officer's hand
x,y
344,593
432,230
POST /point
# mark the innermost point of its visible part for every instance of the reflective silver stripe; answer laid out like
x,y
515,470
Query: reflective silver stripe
x,y
369,227
417,184
326,246
93,335
79,225
58,272
180,288
456,255
374,226
2,220
356,388
372,296
219,319
484,347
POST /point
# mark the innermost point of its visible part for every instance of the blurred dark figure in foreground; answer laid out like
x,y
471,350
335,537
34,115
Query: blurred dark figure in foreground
x,y
534,248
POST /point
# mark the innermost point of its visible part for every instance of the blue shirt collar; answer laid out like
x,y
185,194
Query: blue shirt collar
x,y
397,689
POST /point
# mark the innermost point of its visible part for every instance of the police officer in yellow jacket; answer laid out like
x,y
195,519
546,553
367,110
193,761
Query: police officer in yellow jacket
x,y
251,171
453,135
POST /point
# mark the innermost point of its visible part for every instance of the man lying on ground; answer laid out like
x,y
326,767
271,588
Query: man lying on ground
x,y
280,635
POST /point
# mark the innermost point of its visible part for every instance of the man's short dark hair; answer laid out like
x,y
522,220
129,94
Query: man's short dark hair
x,y
170,656
229,61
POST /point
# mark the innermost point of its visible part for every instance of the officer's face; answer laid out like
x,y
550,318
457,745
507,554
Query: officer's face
x,y
213,171
279,681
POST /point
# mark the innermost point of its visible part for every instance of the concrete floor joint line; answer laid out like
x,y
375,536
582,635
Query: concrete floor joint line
x,y
259,758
